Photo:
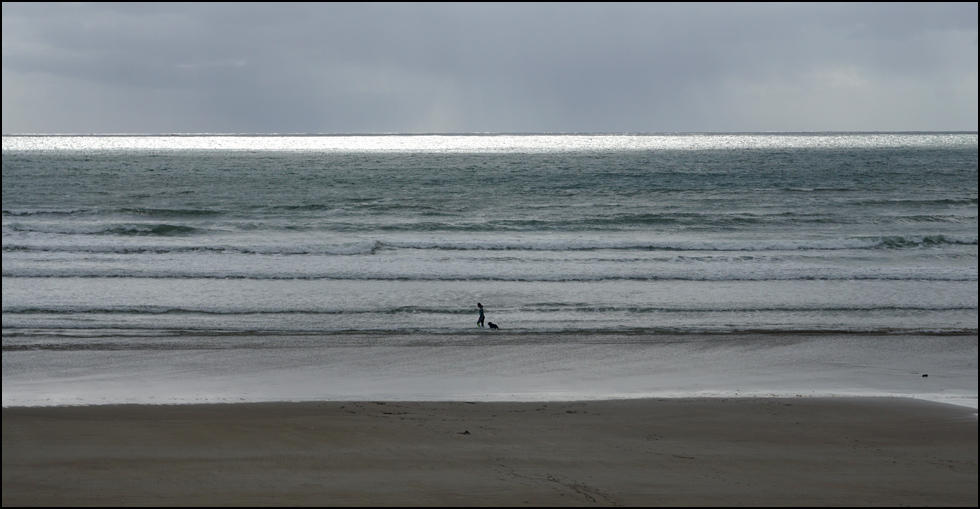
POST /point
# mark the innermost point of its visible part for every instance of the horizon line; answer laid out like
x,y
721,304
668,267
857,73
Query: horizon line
x,y
500,133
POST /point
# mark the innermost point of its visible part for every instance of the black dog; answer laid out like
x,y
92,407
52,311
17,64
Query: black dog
x,y
492,325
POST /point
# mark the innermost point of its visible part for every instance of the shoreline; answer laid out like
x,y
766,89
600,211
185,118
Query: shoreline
x,y
692,451
488,367
504,335
967,402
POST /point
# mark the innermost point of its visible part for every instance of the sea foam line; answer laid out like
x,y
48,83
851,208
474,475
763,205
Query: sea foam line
x,y
372,246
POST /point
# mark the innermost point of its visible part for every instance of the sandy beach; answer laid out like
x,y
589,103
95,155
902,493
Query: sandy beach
x,y
739,451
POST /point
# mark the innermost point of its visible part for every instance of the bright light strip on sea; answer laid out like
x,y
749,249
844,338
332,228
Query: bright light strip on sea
x,y
483,143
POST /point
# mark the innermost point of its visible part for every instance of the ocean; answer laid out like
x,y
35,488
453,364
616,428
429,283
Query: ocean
x,y
198,262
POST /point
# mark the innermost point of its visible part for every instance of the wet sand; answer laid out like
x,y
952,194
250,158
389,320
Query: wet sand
x,y
746,451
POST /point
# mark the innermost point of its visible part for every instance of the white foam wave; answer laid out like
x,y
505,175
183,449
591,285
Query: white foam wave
x,y
561,244
115,245
476,271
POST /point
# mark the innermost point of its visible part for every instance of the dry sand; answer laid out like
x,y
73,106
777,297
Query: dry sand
x,y
840,451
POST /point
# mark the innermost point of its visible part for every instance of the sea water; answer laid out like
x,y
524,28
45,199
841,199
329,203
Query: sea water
x,y
118,248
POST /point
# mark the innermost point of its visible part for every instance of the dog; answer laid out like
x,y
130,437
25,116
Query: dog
x,y
492,325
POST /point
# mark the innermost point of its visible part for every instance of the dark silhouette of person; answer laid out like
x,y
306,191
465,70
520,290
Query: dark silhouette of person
x,y
479,321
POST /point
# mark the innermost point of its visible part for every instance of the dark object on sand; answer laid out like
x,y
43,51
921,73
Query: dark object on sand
x,y
492,325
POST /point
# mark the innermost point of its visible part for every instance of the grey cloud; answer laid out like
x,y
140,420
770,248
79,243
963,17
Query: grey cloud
x,y
489,67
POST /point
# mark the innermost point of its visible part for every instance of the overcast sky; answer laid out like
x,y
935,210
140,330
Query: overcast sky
x,y
456,68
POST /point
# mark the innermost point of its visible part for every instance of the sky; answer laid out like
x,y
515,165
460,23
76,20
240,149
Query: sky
x,y
356,68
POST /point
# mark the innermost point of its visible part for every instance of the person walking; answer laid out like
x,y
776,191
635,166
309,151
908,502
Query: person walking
x,y
479,321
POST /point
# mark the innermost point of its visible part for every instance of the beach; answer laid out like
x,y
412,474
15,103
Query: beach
x,y
732,451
